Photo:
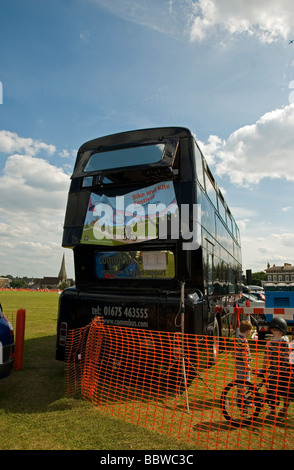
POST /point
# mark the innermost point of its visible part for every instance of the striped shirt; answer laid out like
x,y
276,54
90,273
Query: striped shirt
x,y
242,350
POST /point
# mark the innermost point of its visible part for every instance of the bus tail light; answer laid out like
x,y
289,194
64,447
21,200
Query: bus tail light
x,y
62,333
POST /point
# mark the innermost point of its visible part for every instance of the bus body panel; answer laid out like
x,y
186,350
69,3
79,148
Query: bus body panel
x,y
159,312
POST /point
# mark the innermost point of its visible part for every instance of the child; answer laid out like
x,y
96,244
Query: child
x,y
276,362
243,357
291,346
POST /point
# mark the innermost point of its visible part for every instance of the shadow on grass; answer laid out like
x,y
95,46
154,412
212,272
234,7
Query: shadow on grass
x,y
38,384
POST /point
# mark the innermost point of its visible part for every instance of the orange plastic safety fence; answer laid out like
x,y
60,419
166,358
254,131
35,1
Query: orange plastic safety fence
x,y
173,384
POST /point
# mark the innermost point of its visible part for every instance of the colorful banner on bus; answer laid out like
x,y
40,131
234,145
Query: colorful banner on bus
x,y
132,218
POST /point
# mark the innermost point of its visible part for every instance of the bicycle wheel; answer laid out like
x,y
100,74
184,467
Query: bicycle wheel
x,y
240,403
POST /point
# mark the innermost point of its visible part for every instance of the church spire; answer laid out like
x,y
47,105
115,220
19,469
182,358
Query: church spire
x,y
62,273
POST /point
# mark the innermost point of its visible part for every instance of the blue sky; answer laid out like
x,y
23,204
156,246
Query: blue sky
x,y
74,70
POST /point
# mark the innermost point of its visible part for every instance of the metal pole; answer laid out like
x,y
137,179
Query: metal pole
x,y
183,342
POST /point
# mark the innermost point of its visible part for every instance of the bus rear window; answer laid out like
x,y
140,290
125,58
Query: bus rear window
x,y
135,264
125,157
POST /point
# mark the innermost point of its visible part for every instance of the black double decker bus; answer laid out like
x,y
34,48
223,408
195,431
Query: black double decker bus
x,y
150,232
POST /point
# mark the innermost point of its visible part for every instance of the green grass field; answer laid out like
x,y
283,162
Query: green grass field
x,y
34,412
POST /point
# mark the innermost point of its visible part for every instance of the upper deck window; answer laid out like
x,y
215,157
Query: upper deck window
x,y
199,167
125,157
210,189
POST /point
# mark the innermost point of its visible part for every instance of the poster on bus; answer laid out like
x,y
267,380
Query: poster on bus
x,y
132,218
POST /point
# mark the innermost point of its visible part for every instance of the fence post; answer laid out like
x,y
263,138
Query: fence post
x,y
19,338
237,312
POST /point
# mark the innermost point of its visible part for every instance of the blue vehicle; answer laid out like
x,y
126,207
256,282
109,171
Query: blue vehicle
x,y
6,346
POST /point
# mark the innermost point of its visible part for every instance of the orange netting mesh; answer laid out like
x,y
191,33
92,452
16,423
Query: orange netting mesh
x,y
171,383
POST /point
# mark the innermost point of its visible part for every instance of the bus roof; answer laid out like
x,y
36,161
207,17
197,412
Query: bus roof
x,y
136,136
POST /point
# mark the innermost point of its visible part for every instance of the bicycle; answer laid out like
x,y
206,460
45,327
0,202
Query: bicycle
x,y
244,409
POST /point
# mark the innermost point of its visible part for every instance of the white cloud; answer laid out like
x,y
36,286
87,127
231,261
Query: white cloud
x,y
211,148
257,151
10,142
286,239
33,197
32,184
274,249
267,20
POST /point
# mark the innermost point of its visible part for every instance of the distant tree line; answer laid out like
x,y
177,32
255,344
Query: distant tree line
x,y
19,282
27,282
257,278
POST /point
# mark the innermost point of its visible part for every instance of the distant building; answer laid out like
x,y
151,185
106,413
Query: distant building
x,y
54,282
280,274
4,282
